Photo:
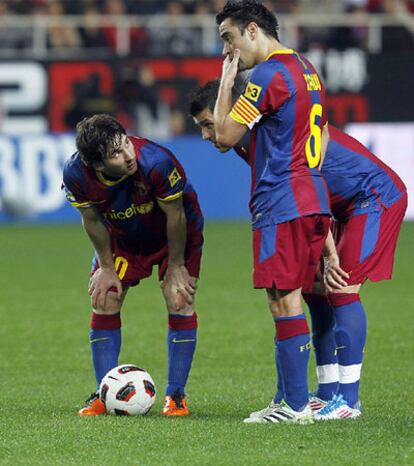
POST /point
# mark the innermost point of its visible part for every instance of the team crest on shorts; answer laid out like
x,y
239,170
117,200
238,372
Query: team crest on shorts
x,y
141,188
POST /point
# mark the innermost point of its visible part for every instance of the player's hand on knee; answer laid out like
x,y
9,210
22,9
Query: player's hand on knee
x,y
334,276
178,286
100,283
173,299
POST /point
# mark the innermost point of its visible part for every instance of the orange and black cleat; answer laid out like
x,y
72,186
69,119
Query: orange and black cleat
x,y
94,406
175,405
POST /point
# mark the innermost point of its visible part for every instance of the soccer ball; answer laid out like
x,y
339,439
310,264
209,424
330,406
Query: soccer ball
x,y
17,205
127,390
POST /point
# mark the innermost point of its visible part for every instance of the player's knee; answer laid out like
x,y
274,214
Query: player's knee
x,y
179,306
274,308
188,311
111,306
105,311
284,303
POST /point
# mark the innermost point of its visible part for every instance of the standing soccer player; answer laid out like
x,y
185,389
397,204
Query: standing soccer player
x,y
368,202
139,210
283,107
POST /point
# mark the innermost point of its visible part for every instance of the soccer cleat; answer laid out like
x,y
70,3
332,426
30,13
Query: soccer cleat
x,y
316,403
284,413
175,405
94,406
255,415
338,408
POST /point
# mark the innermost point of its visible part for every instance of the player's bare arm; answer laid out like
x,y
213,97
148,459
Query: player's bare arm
x,y
334,276
324,143
105,277
178,286
228,131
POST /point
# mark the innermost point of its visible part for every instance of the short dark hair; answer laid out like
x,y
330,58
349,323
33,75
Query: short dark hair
x,y
97,136
205,97
243,12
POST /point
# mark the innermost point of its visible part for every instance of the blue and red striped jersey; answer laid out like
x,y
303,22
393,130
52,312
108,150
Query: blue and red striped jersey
x,y
284,107
129,205
358,181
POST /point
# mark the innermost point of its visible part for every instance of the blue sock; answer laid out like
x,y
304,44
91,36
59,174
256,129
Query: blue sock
x,y
182,339
293,348
323,339
280,389
350,335
105,341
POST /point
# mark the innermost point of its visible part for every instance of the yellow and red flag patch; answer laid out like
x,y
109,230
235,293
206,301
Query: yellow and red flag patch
x,y
244,112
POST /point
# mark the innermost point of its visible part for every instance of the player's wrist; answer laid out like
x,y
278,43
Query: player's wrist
x,y
175,263
108,267
226,84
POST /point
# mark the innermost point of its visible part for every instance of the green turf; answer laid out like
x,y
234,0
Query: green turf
x,y
46,371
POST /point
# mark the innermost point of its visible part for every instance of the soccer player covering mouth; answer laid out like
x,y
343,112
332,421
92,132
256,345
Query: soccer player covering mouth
x,y
283,107
368,202
139,211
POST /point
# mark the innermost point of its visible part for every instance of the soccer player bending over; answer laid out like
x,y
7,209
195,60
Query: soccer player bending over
x,y
283,107
139,210
368,202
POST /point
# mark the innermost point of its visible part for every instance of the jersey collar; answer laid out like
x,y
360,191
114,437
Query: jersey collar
x,y
280,52
107,182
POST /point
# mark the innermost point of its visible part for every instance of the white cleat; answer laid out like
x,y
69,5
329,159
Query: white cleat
x,y
256,415
316,403
338,408
284,413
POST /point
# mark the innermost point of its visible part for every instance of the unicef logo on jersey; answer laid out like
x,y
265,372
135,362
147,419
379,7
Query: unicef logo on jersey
x,y
131,211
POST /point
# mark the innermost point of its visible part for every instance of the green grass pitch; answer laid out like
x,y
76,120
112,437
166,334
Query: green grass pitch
x,y
46,371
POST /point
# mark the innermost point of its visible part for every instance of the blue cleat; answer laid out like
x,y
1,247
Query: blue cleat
x,y
338,408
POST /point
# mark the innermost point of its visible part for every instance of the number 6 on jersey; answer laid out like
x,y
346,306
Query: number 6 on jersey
x,y
313,144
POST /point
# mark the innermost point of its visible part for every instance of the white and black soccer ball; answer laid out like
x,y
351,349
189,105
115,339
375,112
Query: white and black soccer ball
x,y
17,205
127,390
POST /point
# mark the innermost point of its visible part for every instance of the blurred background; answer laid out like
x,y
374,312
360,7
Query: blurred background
x,y
62,60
